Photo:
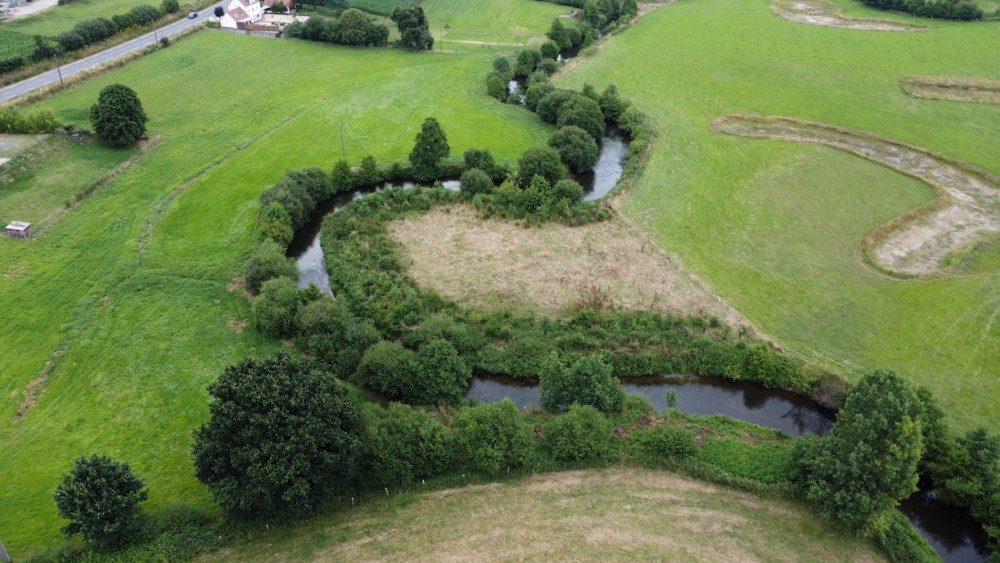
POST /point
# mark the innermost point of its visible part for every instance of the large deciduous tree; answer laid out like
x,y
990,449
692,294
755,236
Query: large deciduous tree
x,y
117,117
576,148
868,462
100,497
429,148
282,437
587,381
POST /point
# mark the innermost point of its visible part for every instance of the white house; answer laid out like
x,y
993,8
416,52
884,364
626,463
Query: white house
x,y
241,12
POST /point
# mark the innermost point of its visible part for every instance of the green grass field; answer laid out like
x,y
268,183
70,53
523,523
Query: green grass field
x,y
478,24
776,227
62,18
127,295
600,515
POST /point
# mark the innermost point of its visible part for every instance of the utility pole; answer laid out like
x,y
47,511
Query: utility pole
x,y
62,85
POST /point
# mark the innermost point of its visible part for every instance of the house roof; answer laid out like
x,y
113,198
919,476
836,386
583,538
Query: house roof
x,y
238,14
18,226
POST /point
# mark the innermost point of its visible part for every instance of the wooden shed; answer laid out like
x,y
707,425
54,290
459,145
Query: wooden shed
x,y
18,229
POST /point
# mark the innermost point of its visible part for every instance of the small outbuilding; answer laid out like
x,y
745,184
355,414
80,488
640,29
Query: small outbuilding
x,y
18,229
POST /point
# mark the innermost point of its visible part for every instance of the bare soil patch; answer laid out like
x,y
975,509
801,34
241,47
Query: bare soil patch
x,y
919,242
553,269
16,9
817,12
952,89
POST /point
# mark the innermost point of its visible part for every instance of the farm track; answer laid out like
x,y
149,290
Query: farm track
x,y
828,15
915,243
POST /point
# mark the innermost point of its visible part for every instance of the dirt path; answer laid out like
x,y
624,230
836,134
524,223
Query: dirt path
x,y
916,243
952,89
817,12
25,9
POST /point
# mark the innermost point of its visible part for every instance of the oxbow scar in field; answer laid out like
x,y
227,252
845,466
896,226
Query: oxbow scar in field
x,y
829,15
918,242
952,88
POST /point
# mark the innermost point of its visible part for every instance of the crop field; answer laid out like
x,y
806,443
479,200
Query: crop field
x,y
122,307
578,515
776,227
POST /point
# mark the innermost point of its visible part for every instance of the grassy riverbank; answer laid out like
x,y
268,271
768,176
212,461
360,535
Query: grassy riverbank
x,y
122,306
776,227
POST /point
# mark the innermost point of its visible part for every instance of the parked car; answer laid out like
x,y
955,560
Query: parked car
x,y
192,15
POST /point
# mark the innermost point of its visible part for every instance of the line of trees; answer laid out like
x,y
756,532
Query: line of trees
x,y
353,27
939,9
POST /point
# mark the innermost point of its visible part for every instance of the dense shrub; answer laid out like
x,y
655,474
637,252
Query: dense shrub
x,y
493,437
967,473
583,112
440,375
483,160
328,332
71,41
549,105
568,190
548,66
465,338
268,261
368,173
170,6
939,9
535,92
580,433
766,462
541,161
282,437
413,28
275,309
577,148
100,497
95,30
353,28
611,103
388,368
661,443
403,444
429,148
588,381
496,86
14,122
275,224
475,181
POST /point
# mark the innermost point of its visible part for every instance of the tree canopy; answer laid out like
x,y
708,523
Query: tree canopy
x,y
117,117
429,148
282,437
100,497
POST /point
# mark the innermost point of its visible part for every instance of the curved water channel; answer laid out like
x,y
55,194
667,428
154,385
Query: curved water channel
x,y
955,536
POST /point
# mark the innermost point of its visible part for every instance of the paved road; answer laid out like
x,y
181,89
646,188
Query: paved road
x,y
52,77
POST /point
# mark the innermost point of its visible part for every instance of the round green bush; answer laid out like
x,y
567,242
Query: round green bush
x,y
663,442
581,433
569,190
475,181
387,368
576,147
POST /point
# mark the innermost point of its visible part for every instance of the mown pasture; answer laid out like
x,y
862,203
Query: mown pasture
x,y
607,514
776,227
122,310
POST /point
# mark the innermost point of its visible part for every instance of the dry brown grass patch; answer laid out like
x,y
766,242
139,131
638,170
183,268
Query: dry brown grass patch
x,y
952,89
553,269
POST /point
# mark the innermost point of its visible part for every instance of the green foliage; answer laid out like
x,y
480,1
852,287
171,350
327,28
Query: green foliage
x,y
14,122
496,86
414,30
583,112
766,462
938,9
567,190
440,374
967,473
280,8
587,381
580,433
275,308
535,92
268,261
558,35
868,462
71,41
475,181
145,14
117,117
275,224
297,192
611,103
549,49
464,337
429,148
548,67
541,161
577,148
341,178
502,66
549,105
664,443
483,160
369,173
493,437
388,368
901,543
173,6
328,332
100,497
403,444
282,437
